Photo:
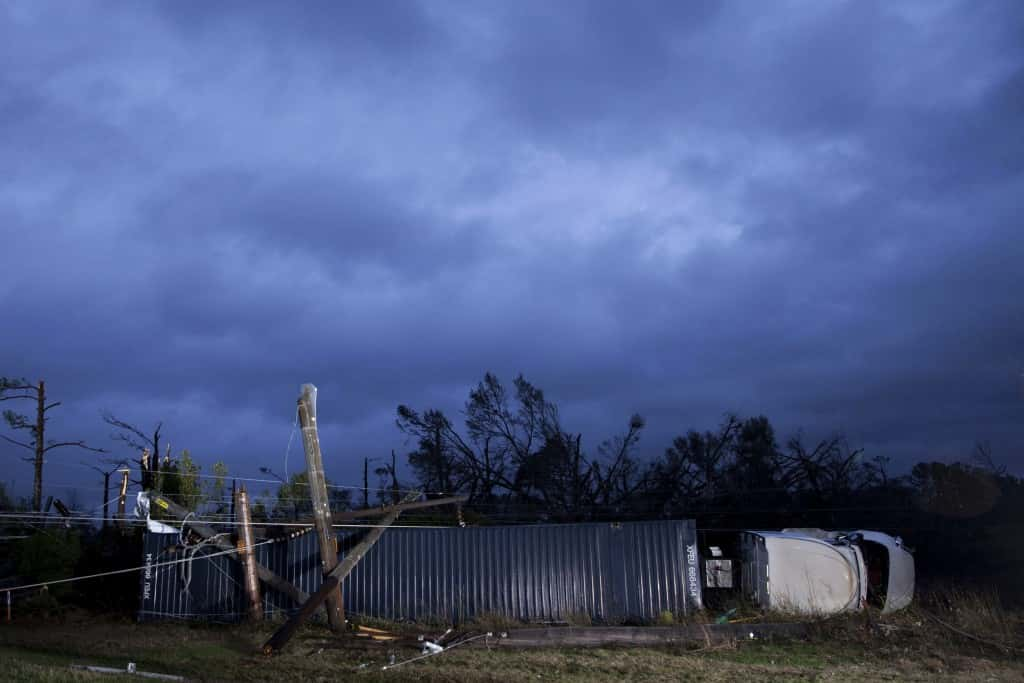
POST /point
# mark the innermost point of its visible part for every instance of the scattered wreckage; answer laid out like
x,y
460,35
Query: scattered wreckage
x,y
551,573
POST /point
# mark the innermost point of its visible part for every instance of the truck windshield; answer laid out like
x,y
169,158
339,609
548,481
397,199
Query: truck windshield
x,y
876,557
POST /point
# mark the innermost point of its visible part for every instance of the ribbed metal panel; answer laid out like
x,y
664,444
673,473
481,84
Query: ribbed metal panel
x,y
205,588
543,573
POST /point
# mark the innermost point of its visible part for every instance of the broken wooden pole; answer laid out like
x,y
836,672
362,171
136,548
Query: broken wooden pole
x,y
332,581
321,507
123,495
246,542
353,556
282,635
206,531
40,444
106,498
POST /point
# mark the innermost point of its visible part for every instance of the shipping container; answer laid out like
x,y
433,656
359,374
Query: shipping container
x,y
598,572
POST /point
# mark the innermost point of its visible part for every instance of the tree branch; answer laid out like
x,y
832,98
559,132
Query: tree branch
x,y
11,398
7,384
125,427
79,444
17,421
16,443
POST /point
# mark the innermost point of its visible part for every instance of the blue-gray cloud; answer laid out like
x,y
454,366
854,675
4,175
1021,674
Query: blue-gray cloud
x,y
680,209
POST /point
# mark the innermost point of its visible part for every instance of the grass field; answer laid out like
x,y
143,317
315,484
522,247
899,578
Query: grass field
x,y
909,646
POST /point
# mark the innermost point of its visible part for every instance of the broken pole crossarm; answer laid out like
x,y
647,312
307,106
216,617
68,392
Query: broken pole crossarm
x,y
318,495
333,580
206,531
404,507
246,542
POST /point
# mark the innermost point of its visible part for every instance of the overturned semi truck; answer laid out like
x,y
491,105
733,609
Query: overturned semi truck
x,y
549,573
813,571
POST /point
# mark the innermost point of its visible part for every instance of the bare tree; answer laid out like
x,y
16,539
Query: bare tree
x,y
694,468
982,457
388,475
38,444
830,468
148,446
112,465
460,465
618,478
516,449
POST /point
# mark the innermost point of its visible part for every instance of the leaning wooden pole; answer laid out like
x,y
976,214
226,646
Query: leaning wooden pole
x,y
318,495
353,556
246,543
331,581
206,531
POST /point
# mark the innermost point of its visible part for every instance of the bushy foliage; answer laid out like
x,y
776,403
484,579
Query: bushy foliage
x,y
48,556
294,502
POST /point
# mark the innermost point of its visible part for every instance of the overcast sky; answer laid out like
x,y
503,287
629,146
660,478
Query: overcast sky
x,y
809,210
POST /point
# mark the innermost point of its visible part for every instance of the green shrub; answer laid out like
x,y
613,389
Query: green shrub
x,y
48,556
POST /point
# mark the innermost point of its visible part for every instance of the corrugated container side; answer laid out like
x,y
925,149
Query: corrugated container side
x,y
541,573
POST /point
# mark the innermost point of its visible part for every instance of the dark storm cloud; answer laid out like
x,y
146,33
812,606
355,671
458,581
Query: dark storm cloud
x,y
345,220
340,29
679,209
573,64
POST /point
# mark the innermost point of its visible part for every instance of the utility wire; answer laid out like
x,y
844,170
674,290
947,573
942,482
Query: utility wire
x,y
132,569
139,522
349,487
388,667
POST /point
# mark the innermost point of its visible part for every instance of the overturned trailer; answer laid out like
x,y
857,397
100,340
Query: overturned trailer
x,y
598,572
539,573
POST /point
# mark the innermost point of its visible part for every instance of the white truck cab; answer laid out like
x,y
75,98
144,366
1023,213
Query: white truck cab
x,y
818,573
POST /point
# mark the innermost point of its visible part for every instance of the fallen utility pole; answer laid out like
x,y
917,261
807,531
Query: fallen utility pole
x,y
353,556
381,511
332,581
130,670
603,636
206,531
321,506
370,513
245,550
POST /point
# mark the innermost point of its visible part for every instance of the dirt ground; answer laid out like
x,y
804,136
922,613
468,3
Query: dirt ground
x,y
845,650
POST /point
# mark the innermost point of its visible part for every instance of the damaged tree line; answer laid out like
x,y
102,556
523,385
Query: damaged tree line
x,y
512,459
516,461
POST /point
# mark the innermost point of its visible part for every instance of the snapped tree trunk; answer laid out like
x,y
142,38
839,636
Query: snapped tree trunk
x,y
37,483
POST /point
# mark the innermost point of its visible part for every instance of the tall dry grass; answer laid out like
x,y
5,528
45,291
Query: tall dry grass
x,y
971,612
